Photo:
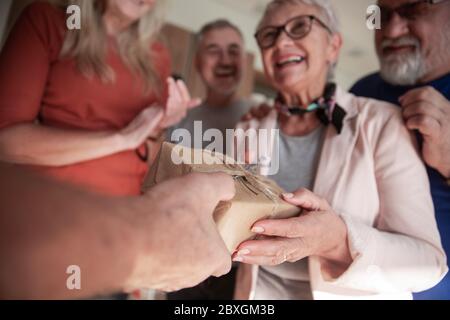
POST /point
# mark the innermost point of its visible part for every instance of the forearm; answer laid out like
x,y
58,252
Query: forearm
x,y
46,227
33,144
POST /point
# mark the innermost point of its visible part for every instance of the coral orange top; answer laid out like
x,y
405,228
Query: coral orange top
x,y
35,84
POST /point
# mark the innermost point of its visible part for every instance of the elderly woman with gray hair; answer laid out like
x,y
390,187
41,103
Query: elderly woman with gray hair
x,y
367,228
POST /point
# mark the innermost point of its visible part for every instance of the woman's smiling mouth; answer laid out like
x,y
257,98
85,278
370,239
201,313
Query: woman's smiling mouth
x,y
289,61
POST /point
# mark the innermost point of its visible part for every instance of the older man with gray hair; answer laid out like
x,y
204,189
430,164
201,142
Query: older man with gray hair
x,y
220,61
413,47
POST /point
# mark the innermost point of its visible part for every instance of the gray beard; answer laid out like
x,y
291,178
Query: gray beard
x,y
404,69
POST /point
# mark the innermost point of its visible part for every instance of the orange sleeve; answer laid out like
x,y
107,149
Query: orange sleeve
x,y
24,65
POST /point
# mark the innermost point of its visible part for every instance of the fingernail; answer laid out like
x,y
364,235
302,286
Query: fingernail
x,y
288,195
258,229
243,252
238,259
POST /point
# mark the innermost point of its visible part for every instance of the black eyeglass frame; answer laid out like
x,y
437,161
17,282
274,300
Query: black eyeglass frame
x,y
280,29
396,10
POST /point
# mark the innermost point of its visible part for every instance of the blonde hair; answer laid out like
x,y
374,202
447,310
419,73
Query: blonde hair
x,y
89,45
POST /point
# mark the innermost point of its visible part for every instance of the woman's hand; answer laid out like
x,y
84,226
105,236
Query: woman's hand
x,y
319,231
141,128
152,121
178,103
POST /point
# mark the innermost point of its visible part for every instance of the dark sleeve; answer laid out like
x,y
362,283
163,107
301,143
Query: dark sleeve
x,y
24,64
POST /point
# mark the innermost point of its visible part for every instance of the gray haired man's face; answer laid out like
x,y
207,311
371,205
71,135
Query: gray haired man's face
x,y
221,60
414,48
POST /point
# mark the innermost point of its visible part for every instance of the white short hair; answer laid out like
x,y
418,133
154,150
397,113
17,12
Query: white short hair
x,y
324,5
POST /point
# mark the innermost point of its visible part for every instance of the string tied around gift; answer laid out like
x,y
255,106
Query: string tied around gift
x,y
253,182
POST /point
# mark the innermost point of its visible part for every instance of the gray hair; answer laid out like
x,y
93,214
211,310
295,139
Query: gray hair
x,y
324,5
215,25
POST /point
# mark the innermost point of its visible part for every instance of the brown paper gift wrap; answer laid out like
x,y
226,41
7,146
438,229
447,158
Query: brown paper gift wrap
x,y
256,198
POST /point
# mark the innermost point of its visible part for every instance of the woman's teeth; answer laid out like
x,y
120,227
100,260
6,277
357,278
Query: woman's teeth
x,y
292,60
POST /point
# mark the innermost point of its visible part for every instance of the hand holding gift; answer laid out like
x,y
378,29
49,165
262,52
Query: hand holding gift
x,y
186,230
256,198
319,231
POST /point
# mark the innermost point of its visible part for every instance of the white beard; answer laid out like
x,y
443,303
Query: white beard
x,y
403,69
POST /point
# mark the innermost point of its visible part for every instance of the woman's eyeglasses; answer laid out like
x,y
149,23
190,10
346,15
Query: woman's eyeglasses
x,y
296,28
410,11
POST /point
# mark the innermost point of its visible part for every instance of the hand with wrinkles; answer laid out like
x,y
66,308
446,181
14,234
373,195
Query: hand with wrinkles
x,y
428,111
319,231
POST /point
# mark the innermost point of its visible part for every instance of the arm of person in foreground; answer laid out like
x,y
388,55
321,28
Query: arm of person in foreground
x,y
164,240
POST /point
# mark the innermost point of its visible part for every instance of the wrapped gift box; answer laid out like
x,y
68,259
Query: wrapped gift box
x,y
256,198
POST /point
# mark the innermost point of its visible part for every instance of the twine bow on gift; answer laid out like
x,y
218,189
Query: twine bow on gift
x,y
254,183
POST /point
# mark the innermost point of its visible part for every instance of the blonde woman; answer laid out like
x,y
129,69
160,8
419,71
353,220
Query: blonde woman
x,y
80,105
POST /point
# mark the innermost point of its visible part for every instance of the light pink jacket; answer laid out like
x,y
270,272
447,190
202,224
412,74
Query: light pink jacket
x,y
373,176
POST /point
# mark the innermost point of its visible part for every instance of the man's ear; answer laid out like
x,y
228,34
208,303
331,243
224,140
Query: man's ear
x,y
336,43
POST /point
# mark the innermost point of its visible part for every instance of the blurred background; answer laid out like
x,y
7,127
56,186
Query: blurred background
x,y
185,17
